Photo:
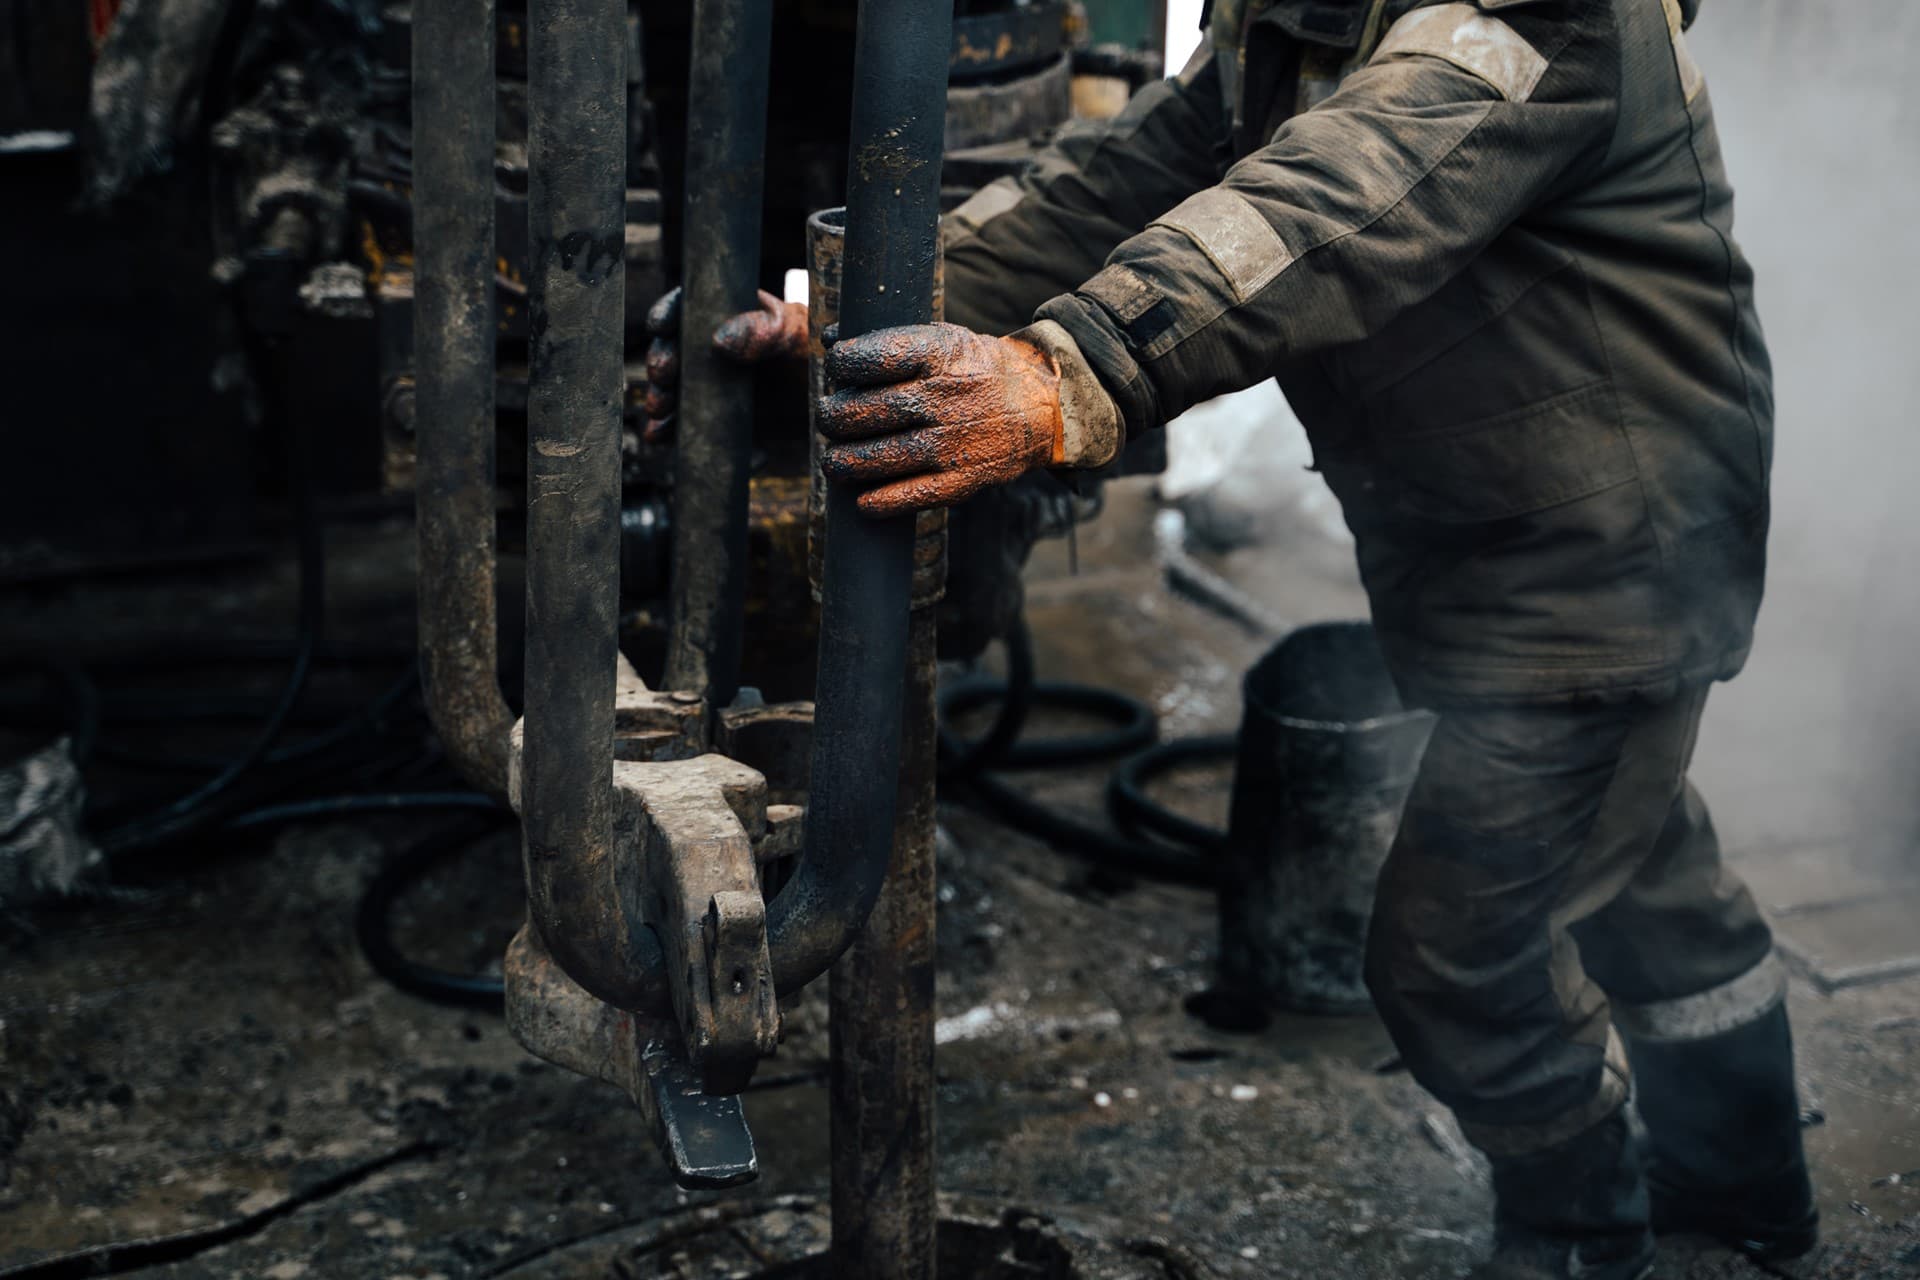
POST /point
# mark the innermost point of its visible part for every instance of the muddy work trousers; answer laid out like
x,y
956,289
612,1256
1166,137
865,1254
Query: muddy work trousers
x,y
1555,875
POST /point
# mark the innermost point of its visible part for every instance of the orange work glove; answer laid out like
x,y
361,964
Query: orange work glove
x,y
778,330
928,415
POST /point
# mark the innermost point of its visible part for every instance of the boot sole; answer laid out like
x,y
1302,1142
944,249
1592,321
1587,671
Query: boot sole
x,y
1784,1246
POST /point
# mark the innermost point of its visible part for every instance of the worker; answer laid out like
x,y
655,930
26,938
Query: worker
x,y
1487,250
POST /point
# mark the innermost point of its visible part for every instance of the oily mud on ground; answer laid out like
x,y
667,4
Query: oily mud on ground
x,y
200,1076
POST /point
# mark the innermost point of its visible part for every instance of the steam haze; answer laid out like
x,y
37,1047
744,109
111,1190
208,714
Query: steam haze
x,y
1819,111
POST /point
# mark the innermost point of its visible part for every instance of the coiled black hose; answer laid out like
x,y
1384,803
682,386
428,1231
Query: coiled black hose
x,y
1001,749
1134,810
373,922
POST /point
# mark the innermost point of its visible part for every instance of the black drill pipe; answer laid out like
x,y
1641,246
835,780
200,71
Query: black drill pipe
x,y
880,1028
892,247
726,151
453,342
881,1007
576,214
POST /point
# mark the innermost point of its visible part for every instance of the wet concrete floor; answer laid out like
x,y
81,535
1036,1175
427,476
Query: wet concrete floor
x,y
201,1077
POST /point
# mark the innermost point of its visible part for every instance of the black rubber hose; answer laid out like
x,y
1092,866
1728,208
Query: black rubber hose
x,y
342,731
368,803
189,811
1134,724
1001,747
976,763
367,717
1135,811
1115,852
960,758
373,923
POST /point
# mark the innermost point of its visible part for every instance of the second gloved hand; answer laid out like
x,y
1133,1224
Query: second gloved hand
x,y
776,331
927,415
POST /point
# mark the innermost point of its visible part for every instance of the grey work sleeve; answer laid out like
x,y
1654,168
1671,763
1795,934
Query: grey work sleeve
x,y
1018,242
1461,124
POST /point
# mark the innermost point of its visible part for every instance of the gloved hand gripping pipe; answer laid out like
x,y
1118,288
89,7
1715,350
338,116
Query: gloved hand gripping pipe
x,y
901,49
900,72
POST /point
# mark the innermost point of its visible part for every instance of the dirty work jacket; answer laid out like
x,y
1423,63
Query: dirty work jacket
x,y
1494,273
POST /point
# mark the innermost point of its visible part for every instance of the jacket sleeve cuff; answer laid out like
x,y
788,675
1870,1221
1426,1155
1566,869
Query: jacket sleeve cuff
x,y
1091,432
1104,352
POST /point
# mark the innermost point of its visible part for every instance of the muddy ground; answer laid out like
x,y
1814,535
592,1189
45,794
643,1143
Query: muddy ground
x,y
200,1076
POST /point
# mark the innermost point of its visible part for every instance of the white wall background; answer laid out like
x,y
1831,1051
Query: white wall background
x,y
1183,32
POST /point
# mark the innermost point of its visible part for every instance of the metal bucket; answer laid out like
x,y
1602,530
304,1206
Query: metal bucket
x,y
1327,755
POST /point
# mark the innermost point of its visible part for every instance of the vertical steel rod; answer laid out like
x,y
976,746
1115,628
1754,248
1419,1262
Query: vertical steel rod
x,y
873,731
882,995
453,238
726,153
880,1028
576,68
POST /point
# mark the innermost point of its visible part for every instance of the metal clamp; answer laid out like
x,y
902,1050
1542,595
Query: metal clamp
x,y
693,824
690,828
704,1138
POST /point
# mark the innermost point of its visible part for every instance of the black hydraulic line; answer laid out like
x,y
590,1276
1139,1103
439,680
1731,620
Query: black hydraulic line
x,y
373,926
962,759
1002,747
1133,722
342,731
576,211
368,717
195,808
1110,851
725,181
1134,810
363,803
453,341
149,706
901,50
347,772
1181,861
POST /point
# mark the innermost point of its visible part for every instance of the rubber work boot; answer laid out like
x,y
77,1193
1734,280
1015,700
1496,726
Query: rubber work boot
x,y
1577,1211
1723,1137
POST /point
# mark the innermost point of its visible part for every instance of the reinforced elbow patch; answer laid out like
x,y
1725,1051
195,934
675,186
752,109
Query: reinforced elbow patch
x,y
1236,239
1475,42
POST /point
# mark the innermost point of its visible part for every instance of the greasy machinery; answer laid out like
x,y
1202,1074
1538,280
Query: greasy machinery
x,y
692,854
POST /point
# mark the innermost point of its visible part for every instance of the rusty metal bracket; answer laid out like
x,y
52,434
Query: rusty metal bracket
x,y
693,824
652,725
689,830
704,1138
776,739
